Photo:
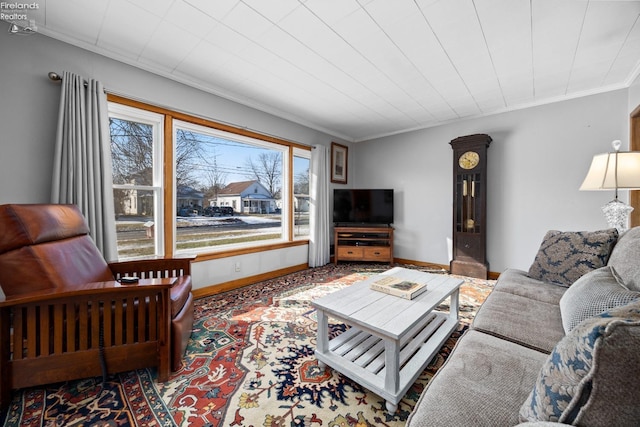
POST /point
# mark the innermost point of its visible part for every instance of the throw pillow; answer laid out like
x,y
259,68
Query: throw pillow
x,y
563,257
624,258
592,294
590,377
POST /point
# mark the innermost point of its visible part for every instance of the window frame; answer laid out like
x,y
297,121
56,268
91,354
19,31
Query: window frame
x,y
156,121
225,135
165,235
306,154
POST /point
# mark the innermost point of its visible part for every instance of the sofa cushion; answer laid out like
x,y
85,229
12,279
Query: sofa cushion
x,y
482,383
592,294
563,257
518,282
534,324
624,258
590,378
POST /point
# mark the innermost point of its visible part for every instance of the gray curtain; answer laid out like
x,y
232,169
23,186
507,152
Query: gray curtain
x,y
82,159
319,210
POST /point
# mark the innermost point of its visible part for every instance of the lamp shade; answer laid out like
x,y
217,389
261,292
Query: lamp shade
x,y
604,175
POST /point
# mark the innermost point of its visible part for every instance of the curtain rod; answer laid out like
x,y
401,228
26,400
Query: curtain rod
x,y
55,77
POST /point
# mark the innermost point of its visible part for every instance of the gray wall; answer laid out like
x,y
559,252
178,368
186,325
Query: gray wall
x,y
537,161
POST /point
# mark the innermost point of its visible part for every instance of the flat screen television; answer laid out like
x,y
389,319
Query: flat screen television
x,y
363,206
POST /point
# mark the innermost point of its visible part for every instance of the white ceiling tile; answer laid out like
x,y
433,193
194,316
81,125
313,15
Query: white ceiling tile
x,y
307,70
78,19
217,9
550,85
627,59
603,35
311,31
462,37
228,39
246,21
273,10
586,76
362,68
283,44
163,45
511,56
126,28
331,12
203,60
190,19
155,7
556,34
464,109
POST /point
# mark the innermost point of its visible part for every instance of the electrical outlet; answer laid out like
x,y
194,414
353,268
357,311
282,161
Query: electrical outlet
x,y
238,266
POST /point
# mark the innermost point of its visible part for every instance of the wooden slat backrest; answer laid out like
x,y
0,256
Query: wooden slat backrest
x,y
149,269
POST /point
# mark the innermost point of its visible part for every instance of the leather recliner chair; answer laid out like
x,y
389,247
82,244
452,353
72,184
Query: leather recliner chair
x,y
47,246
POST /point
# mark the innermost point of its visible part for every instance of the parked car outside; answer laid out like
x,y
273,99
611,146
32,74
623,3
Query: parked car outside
x,y
185,212
212,211
226,210
218,211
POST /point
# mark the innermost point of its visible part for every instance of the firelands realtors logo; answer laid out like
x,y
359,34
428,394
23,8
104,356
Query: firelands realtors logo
x,y
22,14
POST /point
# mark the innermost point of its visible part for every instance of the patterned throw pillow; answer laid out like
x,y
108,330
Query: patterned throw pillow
x,y
592,294
563,257
590,377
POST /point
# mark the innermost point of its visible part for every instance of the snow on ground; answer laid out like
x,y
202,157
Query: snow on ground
x,y
206,220
215,220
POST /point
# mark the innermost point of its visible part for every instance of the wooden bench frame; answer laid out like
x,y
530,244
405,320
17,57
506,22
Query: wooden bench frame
x,y
67,334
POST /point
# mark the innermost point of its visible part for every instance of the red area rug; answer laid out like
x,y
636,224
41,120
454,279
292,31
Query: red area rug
x,y
250,362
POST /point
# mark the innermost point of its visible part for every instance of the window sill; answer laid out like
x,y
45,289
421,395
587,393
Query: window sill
x,y
248,250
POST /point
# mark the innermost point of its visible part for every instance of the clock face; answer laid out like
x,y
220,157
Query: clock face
x,y
469,160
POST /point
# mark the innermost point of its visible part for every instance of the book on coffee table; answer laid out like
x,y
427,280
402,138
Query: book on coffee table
x,y
398,287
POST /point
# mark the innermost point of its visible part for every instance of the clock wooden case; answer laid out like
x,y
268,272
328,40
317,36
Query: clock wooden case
x,y
470,206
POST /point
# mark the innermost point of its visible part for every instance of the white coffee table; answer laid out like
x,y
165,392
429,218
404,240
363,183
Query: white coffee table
x,y
391,339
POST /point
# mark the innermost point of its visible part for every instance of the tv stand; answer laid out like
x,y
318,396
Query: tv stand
x,y
358,243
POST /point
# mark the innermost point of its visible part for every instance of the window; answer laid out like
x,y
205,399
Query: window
x,y
301,193
220,189
136,157
219,169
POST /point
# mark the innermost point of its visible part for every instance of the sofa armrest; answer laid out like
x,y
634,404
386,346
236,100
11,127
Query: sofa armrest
x,y
152,268
542,424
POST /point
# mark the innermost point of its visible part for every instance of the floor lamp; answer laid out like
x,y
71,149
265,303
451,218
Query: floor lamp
x,y
619,170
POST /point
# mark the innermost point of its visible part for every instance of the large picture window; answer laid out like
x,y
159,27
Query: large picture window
x,y
229,189
218,190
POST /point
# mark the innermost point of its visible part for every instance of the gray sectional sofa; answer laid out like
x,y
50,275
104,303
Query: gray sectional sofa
x,y
556,345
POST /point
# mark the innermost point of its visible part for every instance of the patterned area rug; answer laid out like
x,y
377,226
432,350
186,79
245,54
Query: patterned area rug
x,y
250,362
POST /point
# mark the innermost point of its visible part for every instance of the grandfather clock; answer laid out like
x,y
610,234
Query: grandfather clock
x,y
470,206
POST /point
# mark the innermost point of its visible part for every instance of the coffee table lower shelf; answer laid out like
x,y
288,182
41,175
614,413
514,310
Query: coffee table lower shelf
x,y
386,366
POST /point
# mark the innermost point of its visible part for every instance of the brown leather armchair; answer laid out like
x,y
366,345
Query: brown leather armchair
x,y
63,304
